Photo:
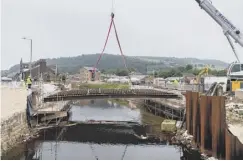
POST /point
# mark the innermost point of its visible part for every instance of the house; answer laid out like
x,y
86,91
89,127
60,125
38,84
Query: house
x,y
38,69
6,79
159,82
187,77
86,74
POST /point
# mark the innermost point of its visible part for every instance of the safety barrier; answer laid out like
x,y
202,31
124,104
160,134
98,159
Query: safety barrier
x,y
206,121
184,87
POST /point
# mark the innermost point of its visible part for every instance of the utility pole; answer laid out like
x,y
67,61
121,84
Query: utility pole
x,y
30,64
56,73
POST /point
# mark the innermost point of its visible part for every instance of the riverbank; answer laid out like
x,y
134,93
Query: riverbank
x,y
14,125
14,128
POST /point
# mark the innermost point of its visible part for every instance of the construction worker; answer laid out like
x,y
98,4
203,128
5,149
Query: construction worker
x,y
176,83
29,82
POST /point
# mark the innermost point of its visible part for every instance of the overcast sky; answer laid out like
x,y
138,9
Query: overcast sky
x,y
62,28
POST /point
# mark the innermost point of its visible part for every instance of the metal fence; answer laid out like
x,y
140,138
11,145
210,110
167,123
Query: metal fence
x,y
206,121
184,87
15,84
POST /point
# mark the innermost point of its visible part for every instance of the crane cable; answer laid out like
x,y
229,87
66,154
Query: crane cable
x,y
232,46
112,23
124,152
93,151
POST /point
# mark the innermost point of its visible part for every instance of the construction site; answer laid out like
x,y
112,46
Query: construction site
x,y
191,117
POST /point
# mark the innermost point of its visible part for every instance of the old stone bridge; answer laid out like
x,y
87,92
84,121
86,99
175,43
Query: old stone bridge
x,y
108,93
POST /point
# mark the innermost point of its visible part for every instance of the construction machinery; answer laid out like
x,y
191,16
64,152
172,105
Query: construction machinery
x,y
235,70
204,71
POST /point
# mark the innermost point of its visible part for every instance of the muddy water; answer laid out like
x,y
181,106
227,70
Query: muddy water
x,y
95,142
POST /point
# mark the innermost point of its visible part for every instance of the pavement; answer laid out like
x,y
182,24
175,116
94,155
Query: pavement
x,y
14,97
13,100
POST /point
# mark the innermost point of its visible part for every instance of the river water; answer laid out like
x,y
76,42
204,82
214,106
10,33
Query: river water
x,y
102,141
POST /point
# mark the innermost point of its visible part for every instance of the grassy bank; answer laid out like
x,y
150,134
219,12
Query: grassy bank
x,y
104,86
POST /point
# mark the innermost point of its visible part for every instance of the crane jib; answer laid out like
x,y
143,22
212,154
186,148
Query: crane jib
x,y
225,20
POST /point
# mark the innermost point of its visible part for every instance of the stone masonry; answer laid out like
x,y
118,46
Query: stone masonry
x,y
13,116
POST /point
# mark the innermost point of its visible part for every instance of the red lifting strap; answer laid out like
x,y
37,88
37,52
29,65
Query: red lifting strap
x,y
107,37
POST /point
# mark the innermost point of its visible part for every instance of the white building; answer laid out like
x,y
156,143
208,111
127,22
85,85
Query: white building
x,y
159,81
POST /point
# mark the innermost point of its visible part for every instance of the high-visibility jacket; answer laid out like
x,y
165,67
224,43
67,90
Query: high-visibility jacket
x,y
28,81
175,82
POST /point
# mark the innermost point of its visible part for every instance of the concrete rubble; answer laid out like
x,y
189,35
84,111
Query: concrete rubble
x,y
185,139
235,108
234,112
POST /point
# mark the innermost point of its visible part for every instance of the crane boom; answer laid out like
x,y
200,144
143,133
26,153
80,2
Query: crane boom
x,y
235,70
227,26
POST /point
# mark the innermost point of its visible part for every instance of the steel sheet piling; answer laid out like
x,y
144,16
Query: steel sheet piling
x,y
228,143
204,121
196,116
209,123
222,126
189,112
237,149
215,126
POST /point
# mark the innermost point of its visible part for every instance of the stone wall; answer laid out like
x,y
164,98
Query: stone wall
x,y
13,131
14,126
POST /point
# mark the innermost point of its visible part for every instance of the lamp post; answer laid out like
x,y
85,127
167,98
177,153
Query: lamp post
x,y
24,38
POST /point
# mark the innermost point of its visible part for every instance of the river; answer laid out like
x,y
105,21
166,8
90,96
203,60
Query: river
x,y
95,142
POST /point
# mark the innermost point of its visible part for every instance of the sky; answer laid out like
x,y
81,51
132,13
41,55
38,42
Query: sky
x,y
65,28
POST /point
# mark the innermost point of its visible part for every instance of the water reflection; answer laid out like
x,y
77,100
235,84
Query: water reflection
x,y
102,110
87,151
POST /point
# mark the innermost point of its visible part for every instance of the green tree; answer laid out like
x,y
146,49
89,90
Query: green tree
x,y
103,71
63,78
181,69
132,69
189,67
122,72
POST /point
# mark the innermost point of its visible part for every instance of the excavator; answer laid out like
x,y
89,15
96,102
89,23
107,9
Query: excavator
x,y
204,71
235,69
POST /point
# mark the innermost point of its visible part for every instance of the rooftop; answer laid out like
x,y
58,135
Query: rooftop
x,y
91,68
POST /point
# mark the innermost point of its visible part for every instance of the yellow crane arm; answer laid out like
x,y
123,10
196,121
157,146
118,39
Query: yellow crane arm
x,y
202,72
